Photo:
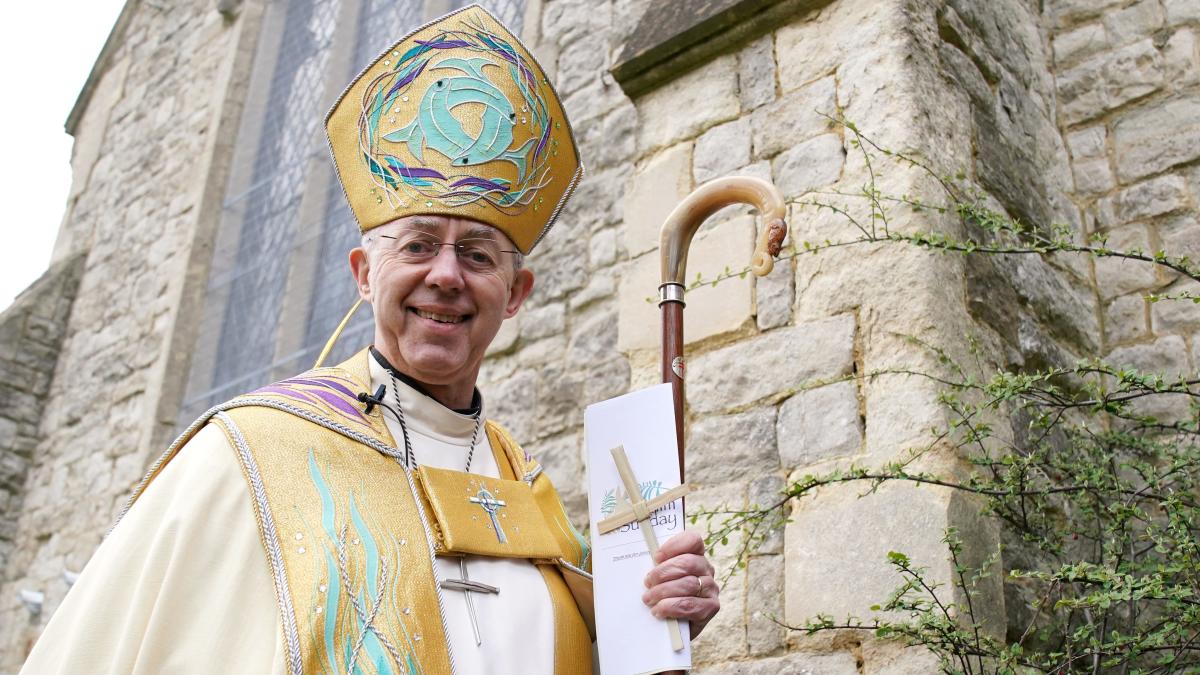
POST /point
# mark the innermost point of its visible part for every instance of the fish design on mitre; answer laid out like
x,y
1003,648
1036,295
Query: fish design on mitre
x,y
436,127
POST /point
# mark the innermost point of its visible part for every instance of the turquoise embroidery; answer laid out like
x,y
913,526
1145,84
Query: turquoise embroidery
x,y
585,551
436,127
369,635
333,591
365,594
437,124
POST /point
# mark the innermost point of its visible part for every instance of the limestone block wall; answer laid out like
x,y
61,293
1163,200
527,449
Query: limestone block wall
x,y
1100,67
776,365
143,163
777,369
1128,82
31,332
1032,312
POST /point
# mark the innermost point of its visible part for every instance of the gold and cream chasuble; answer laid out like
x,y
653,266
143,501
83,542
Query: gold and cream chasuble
x,y
288,538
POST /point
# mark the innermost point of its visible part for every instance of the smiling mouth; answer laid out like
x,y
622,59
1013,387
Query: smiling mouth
x,y
440,318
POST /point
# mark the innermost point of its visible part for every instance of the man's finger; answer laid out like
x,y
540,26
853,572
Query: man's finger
x,y
696,610
684,565
687,541
698,586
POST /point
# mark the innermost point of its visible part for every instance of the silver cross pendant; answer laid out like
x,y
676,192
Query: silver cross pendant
x,y
468,587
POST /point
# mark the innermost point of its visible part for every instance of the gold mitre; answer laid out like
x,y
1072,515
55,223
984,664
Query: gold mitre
x,y
455,119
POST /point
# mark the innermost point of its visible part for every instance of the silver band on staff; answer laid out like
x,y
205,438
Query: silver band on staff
x,y
671,292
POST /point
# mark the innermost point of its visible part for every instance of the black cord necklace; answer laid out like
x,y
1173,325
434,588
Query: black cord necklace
x,y
411,458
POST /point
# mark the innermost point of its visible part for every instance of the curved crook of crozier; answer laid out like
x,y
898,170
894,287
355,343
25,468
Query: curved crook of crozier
x,y
706,200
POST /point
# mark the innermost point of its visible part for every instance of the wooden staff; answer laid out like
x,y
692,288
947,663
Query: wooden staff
x,y
677,235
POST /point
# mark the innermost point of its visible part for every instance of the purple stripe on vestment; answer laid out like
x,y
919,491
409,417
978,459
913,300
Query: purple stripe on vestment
x,y
322,382
294,394
339,403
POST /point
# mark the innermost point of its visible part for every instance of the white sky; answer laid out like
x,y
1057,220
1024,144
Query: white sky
x,y
47,49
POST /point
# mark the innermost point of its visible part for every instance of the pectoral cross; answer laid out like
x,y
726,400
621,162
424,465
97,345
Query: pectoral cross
x,y
492,506
467,587
640,510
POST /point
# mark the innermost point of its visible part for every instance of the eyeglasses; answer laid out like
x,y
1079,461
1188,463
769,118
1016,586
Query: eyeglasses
x,y
476,254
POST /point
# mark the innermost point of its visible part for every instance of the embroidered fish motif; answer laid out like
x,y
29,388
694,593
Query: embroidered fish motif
x,y
435,126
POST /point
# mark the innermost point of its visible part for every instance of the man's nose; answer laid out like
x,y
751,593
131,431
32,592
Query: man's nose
x,y
445,272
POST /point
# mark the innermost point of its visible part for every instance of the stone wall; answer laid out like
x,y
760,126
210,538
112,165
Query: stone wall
x,y
31,332
144,174
1081,117
1128,81
777,365
1082,112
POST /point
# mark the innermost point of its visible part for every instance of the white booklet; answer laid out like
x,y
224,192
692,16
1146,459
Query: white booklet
x,y
630,640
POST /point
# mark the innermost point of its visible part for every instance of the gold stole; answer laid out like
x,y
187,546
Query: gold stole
x,y
351,535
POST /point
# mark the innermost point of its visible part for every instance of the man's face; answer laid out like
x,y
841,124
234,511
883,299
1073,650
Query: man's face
x,y
435,319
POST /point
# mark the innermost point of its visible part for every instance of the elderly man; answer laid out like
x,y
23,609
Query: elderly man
x,y
367,517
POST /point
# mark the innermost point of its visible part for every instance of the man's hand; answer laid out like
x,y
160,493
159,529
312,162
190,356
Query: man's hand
x,y
681,585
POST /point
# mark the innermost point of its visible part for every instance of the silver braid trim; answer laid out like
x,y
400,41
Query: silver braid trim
x,y
585,574
410,458
248,401
437,577
532,475
342,429
291,632
270,535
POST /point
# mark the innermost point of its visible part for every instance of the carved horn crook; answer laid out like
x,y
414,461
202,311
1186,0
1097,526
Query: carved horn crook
x,y
677,235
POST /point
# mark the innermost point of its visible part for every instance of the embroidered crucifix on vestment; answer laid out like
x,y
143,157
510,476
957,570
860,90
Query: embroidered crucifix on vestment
x,y
492,506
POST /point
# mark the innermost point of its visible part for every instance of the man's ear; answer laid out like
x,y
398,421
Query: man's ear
x,y
522,286
360,267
